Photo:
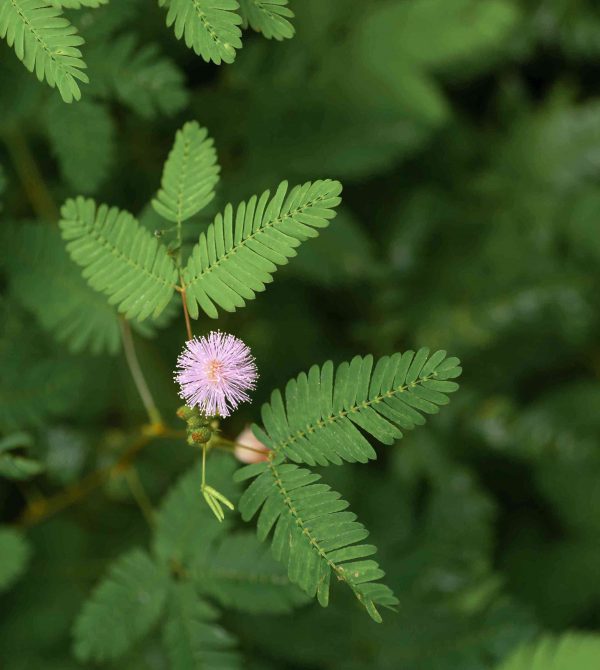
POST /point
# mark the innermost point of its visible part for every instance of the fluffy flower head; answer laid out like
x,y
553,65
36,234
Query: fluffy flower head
x,y
215,373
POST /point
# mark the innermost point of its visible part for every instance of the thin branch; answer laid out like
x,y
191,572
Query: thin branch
x,y
138,375
139,494
30,176
188,325
40,510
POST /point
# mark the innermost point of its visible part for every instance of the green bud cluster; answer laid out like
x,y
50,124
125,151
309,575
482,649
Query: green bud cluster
x,y
200,428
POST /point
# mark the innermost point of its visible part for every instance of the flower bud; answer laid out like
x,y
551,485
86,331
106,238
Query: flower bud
x,y
200,436
185,413
257,451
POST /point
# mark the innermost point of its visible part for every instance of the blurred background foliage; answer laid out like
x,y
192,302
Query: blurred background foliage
x,y
467,136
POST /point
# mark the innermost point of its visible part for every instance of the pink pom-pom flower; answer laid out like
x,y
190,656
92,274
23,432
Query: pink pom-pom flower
x,y
215,373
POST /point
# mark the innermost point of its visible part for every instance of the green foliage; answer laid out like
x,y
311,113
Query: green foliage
x,y
54,290
320,419
15,466
183,511
83,140
122,608
196,559
46,43
240,574
14,555
191,637
572,651
189,176
78,4
313,534
241,250
439,33
119,258
46,386
209,27
269,17
140,77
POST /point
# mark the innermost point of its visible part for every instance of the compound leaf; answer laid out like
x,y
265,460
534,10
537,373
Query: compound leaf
x,y
119,257
321,417
122,608
269,17
241,249
45,42
209,27
189,176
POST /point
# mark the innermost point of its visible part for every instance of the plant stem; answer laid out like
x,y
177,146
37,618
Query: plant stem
x,y
138,375
139,494
42,509
188,325
30,176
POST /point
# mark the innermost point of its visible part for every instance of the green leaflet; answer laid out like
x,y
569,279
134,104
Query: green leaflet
x,y
122,608
241,249
570,651
45,42
192,639
314,535
189,176
78,4
14,554
119,257
209,27
269,17
323,411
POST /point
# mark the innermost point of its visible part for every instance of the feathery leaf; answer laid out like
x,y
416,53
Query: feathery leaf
x,y
78,4
122,608
192,639
82,138
209,27
269,17
185,525
570,651
45,386
119,257
313,535
140,77
320,420
189,175
46,42
240,573
241,250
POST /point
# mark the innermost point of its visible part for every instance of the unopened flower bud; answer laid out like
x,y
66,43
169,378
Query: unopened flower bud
x,y
201,436
185,413
249,449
